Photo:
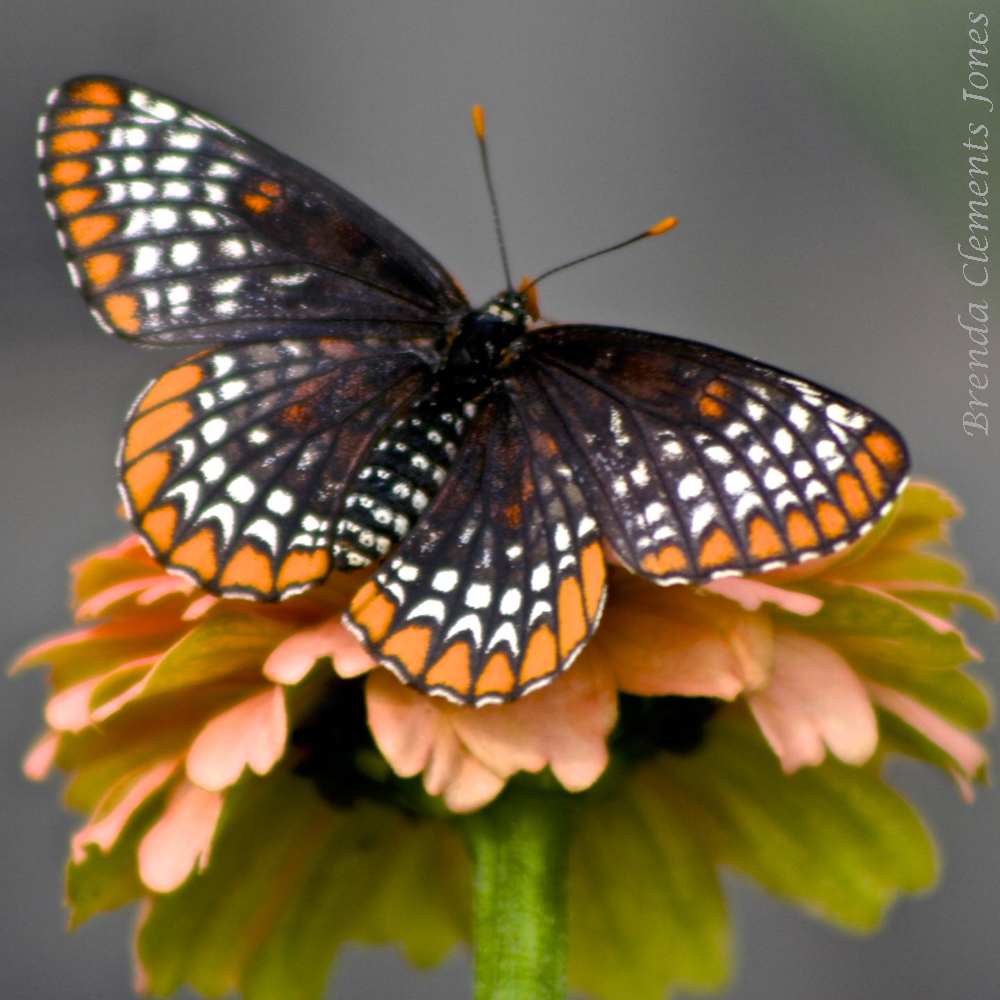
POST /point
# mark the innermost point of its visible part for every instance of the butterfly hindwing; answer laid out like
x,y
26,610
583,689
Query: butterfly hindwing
x,y
702,463
179,229
501,582
235,462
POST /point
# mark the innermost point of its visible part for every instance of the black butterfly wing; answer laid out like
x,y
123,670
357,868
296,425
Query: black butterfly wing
x,y
702,463
180,229
236,463
501,582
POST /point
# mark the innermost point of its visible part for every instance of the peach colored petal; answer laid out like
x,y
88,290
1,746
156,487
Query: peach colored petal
x,y
564,726
297,655
682,642
814,702
106,825
751,594
95,606
180,839
69,710
415,735
36,654
402,721
166,585
38,763
130,547
959,745
198,607
251,734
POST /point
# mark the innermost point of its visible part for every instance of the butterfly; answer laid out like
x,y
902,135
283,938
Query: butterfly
x,y
348,409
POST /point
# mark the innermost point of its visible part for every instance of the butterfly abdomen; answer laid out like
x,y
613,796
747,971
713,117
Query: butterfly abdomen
x,y
403,474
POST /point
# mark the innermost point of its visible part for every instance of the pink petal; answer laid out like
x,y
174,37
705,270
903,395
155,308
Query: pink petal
x,y
180,839
198,607
814,702
414,735
69,710
41,757
402,721
297,655
251,734
716,650
564,726
104,832
163,587
959,745
751,594
95,606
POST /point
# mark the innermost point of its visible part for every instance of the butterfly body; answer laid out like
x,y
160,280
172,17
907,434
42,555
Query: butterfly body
x,y
352,410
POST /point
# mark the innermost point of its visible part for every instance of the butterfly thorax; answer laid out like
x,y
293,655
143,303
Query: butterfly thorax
x,y
410,462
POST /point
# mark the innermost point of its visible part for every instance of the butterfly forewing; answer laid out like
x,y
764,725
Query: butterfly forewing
x,y
702,463
501,582
180,229
235,463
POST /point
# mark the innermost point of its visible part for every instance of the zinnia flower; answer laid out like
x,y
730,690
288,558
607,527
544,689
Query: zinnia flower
x,y
270,792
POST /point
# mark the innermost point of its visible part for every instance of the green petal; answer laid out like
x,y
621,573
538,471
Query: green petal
x,y
833,838
107,881
646,909
895,736
863,622
216,649
290,880
952,694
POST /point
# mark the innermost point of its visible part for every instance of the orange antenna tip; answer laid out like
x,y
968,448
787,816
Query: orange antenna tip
x,y
664,226
479,121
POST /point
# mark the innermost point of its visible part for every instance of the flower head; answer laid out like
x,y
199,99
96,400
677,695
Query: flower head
x,y
212,736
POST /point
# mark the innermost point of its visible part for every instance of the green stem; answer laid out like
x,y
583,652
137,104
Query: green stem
x,y
520,851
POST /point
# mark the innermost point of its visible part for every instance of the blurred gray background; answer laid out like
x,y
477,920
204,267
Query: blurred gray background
x,y
813,153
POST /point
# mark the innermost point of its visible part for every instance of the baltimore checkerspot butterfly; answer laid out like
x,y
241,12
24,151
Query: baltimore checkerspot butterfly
x,y
349,409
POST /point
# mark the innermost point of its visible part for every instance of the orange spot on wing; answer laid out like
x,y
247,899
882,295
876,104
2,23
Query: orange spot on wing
x,y
145,477
303,567
69,171
89,230
409,646
148,431
452,669
159,526
864,463
719,388
592,574
831,520
765,542
96,92
248,568
85,116
198,554
885,449
540,659
174,383
257,203
103,268
717,550
77,141
373,611
852,496
669,559
800,530
71,202
572,622
271,188
122,310
709,407
497,677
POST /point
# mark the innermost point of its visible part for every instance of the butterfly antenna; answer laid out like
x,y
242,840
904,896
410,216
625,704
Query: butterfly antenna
x,y
479,124
663,226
